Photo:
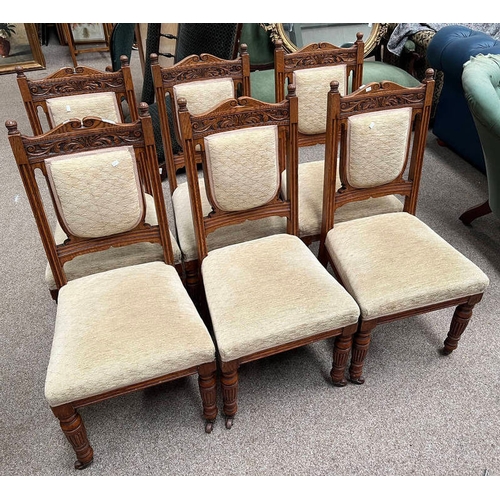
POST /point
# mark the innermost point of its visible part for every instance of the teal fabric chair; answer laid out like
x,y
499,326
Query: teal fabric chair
x,y
481,83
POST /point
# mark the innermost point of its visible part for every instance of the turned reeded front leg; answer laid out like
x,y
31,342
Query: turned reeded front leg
x,y
361,342
459,323
229,383
207,381
74,430
341,352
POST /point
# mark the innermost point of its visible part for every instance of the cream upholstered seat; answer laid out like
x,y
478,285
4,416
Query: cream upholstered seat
x,y
142,326
393,264
204,81
122,329
423,269
270,294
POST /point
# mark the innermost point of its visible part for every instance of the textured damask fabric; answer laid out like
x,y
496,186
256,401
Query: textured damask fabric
x,y
312,87
392,263
311,200
102,105
269,292
123,327
114,257
243,167
97,193
386,132
203,95
224,236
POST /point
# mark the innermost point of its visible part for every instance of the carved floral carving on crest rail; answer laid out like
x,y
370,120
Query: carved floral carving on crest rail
x,y
219,123
319,59
61,86
380,102
38,150
181,74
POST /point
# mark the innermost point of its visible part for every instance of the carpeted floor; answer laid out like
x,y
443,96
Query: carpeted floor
x,y
418,414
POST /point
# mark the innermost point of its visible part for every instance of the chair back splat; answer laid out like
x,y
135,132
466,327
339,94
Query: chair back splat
x,y
77,93
393,264
123,329
269,294
205,80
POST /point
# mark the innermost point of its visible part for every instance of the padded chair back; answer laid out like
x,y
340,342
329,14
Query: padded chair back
x,y
76,93
245,144
311,70
205,81
369,132
121,161
481,83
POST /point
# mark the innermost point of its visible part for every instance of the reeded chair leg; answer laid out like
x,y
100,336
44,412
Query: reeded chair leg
x,y
361,342
74,430
207,381
229,383
459,323
341,350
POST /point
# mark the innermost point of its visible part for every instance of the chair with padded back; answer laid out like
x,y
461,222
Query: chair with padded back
x,y
124,329
205,80
312,69
77,93
218,39
394,265
481,83
270,294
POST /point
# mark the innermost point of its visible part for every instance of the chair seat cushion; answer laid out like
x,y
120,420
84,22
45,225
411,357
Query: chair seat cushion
x,y
392,263
311,201
268,292
113,257
248,230
123,327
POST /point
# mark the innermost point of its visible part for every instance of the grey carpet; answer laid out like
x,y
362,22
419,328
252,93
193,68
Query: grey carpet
x,y
418,413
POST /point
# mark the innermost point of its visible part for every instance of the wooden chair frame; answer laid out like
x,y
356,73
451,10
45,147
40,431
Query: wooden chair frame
x,y
94,134
373,97
192,68
316,55
233,115
75,81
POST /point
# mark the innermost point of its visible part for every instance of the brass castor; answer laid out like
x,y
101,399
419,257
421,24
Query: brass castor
x,y
80,465
358,381
209,425
340,383
229,422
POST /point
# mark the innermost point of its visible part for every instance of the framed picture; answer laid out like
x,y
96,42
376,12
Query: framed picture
x,y
88,32
20,46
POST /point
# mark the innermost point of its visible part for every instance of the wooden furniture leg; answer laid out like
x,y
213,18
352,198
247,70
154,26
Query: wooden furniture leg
x,y
341,350
474,212
207,381
360,346
74,430
229,383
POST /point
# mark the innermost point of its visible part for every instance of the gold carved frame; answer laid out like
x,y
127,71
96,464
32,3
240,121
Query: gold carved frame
x,y
277,32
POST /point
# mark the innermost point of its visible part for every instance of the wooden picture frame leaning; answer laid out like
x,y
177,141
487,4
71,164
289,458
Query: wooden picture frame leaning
x,y
24,48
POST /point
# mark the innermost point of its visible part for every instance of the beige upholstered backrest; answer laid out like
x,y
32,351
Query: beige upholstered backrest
x,y
203,95
312,86
97,193
377,146
243,167
102,105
